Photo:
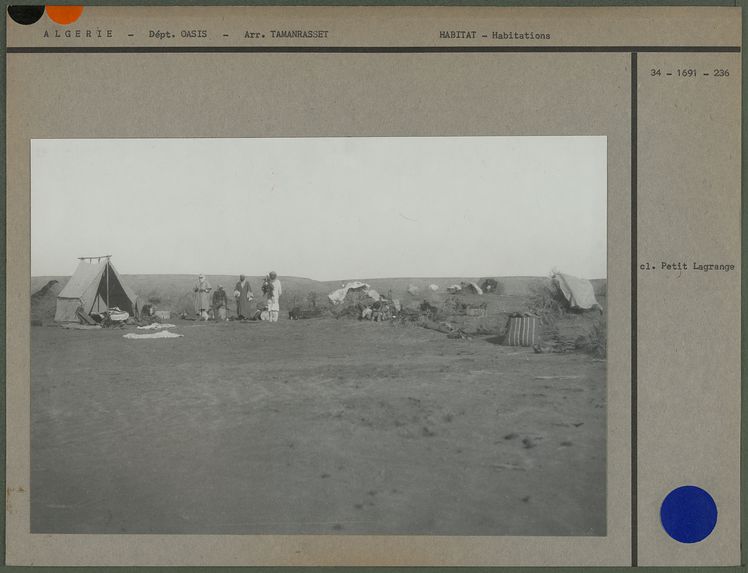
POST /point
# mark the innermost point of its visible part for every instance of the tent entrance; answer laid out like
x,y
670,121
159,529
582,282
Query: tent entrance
x,y
114,293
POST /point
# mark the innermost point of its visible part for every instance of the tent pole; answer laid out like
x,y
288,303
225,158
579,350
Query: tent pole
x,y
107,284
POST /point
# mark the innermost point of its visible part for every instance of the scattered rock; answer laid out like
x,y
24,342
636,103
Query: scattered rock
x,y
508,467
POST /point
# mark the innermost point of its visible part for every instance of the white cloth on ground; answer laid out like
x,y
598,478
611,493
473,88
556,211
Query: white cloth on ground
x,y
159,334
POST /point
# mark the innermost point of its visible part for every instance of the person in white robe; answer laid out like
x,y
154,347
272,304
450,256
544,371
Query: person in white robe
x,y
273,291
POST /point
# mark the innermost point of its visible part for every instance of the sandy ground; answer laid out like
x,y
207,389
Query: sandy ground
x,y
318,426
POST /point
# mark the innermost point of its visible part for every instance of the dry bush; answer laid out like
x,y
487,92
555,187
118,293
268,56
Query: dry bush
x,y
452,305
547,301
596,341
601,288
492,286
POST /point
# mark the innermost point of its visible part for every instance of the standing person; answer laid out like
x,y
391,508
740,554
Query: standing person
x,y
220,303
272,289
202,290
243,295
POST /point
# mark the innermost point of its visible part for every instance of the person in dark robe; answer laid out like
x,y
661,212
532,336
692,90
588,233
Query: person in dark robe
x,y
220,303
202,290
243,295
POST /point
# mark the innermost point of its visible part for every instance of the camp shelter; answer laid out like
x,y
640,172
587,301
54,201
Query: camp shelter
x,y
579,293
338,296
471,287
94,287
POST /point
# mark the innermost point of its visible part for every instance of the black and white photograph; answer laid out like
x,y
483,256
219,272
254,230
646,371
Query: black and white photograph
x,y
319,336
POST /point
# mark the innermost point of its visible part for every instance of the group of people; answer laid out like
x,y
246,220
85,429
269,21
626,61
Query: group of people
x,y
215,305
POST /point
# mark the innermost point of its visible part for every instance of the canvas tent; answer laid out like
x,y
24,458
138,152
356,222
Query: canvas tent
x,y
95,286
471,286
338,296
579,293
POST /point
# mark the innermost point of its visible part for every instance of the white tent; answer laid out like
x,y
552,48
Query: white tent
x,y
94,287
474,287
579,292
338,296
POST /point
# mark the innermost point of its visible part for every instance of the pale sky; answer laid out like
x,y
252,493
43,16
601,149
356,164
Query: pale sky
x,y
323,208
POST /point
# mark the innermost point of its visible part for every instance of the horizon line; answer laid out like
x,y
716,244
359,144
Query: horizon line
x,y
411,277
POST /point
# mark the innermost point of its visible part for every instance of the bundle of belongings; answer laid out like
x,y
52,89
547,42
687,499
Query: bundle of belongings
x,y
522,329
378,311
579,293
459,334
299,313
111,317
261,313
465,286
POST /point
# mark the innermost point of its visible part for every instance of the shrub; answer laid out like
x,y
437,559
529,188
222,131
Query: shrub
x,y
452,305
596,341
547,301
601,288
492,286
429,310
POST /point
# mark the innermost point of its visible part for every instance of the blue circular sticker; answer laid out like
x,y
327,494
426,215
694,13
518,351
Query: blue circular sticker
x,y
688,514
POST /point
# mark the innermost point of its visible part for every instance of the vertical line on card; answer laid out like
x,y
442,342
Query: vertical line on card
x,y
634,270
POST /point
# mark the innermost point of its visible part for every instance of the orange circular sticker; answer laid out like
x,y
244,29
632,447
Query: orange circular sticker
x,y
64,14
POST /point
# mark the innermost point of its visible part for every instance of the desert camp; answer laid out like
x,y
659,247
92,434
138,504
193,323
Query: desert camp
x,y
462,308
320,336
